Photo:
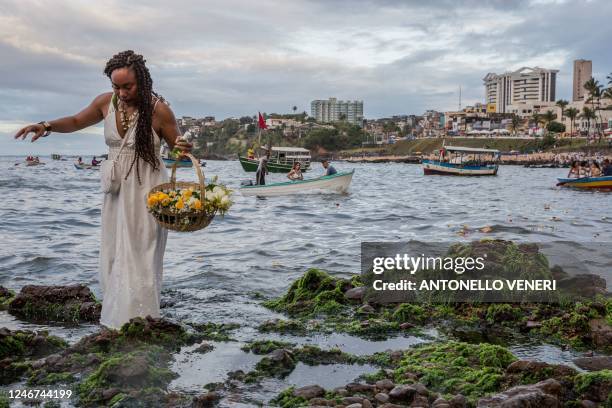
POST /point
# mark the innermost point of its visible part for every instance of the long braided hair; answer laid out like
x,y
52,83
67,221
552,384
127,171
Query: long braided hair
x,y
144,143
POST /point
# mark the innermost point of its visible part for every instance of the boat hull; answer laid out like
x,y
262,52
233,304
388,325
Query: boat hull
x,y
337,183
450,169
594,183
85,167
183,163
250,165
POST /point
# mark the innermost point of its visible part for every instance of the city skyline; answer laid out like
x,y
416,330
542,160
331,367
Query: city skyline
x,y
235,58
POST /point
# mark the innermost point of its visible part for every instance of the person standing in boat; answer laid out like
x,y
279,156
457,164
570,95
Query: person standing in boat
x,y
262,169
133,244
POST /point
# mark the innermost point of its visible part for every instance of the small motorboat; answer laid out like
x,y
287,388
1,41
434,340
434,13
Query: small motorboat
x,y
336,183
595,183
34,162
83,166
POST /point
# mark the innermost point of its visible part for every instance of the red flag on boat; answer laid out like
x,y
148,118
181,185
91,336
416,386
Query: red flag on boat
x,y
262,122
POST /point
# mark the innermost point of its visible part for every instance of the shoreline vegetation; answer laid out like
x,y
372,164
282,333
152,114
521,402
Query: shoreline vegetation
x,y
467,364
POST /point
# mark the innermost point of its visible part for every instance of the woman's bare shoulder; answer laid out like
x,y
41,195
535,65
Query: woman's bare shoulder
x,y
102,101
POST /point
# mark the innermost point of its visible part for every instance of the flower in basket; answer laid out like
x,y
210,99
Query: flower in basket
x,y
187,200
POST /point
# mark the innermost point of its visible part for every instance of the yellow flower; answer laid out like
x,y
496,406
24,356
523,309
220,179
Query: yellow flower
x,y
152,200
165,201
179,204
187,194
197,204
172,193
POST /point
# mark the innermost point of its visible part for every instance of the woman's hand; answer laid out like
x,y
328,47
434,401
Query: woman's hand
x,y
37,129
183,145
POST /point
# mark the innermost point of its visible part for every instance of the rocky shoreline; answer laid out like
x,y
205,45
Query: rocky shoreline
x,y
469,364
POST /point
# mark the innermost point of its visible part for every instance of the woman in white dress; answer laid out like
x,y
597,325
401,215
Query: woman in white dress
x,y
133,244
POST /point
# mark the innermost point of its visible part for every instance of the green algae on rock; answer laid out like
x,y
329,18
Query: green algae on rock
x,y
316,292
75,303
6,296
454,367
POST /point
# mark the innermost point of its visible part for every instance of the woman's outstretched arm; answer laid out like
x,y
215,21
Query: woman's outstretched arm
x,y
91,115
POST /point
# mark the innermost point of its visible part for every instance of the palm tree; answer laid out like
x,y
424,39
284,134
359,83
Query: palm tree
x,y
588,114
535,116
562,103
548,118
515,124
595,93
572,114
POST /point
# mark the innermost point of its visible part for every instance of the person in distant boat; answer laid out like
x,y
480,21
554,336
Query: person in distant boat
x,y
329,169
262,170
296,172
251,154
80,160
607,168
94,162
574,169
595,169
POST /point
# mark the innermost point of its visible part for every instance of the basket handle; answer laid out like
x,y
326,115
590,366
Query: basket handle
x,y
198,169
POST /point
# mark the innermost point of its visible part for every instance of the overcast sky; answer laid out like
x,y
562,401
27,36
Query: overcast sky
x,y
237,57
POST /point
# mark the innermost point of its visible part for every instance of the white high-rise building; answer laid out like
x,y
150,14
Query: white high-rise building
x,y
333,110
524,86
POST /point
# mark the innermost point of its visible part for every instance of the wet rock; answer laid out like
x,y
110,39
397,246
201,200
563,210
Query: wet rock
x,y
110,393
381,397
204,348
420,401
341,391
6,296
318,402
366,404
355,388
390,405
206,400
528,371
544,394
25,343
74,303
366,310
586,285
421,389
406,326
595,386
594,363
458,401
385,384
404,393
310,391
588,404
357,405
440,403
355,294
601,332
352,400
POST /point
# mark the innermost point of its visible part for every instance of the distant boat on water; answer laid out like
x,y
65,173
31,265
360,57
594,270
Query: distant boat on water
x,y
591,183
281,160
463,161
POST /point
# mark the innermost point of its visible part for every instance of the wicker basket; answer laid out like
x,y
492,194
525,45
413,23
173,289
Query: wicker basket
x,y
192,220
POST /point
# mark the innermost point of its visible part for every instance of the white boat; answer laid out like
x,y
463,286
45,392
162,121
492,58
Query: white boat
x,y
336,183
83,166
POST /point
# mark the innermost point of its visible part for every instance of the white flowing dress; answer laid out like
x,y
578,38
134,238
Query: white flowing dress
x,y
133,244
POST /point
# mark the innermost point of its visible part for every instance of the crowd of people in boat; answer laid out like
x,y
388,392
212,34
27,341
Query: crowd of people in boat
x,y
590,168
94,161
33,159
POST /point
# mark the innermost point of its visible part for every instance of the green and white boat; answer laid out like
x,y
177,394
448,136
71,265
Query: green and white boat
x,y
336,183
281,160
